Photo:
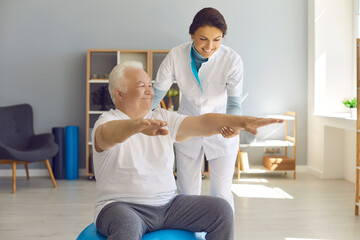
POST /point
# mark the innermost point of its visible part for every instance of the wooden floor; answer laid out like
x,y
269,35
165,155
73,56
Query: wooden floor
x,y
268,206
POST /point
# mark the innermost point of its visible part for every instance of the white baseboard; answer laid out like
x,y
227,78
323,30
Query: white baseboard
x,y
82,171
299,168
302,168
33,172
313,171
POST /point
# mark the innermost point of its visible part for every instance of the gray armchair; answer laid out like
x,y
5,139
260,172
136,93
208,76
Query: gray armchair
x,y
19,144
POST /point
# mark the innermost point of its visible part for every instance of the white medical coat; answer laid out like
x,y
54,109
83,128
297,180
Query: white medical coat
x,y
221,76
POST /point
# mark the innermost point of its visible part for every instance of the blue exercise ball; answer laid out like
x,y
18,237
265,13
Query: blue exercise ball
x,y
170,234
90,233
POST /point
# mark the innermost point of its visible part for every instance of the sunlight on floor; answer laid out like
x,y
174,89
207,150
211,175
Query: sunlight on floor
x,y
259,191
256,170
253,180
303,239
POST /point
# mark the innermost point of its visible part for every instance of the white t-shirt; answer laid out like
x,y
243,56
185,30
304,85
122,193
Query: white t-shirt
x,y
140,169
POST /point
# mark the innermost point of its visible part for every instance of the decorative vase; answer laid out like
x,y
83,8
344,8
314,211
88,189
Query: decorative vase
x,y
353,112
170,105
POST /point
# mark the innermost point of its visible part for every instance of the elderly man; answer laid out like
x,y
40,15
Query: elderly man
x,y
133,162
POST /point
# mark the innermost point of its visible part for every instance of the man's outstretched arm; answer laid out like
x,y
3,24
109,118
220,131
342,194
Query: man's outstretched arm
x,y
211,123
117,131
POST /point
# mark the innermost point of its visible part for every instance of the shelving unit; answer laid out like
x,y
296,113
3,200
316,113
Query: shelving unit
x,y
357,200
100,62
273,163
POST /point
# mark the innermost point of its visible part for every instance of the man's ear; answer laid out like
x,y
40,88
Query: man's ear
x,y
117,94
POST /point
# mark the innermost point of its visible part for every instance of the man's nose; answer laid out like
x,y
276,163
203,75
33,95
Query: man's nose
x,y
149,90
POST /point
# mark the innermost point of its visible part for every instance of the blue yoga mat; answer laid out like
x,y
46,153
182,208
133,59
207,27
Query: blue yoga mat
x,y
71,152
58,166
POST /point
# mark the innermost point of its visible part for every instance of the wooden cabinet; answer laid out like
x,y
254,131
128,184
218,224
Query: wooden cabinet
x,y
357,200
100,62
284,162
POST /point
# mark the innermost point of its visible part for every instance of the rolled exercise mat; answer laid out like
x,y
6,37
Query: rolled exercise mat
x,y
71,152
58,160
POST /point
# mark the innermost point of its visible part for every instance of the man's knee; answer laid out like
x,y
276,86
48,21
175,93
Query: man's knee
x,y
223,210
120,222
124,228
126,232
223,216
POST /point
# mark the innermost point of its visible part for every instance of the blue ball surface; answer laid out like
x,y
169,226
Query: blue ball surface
x,y
90,233
170,234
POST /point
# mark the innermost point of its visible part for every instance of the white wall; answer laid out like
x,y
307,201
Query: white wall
x,y
331,61
333,30
43,52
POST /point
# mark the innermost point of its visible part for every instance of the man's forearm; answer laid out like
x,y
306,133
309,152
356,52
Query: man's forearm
x,y
113,132
110,133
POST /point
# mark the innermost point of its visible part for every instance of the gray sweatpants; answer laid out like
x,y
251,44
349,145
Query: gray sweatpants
x,y
129,221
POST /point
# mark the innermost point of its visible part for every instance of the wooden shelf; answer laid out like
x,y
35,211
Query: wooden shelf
x,y
268,143
99,81
275,162
260,170
96,112
284,117
357,169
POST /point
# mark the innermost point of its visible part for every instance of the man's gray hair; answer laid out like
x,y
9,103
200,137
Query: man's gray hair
x,y
117,79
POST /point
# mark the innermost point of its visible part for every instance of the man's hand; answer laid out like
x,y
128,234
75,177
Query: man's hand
x,y
151,127
251,124
228,132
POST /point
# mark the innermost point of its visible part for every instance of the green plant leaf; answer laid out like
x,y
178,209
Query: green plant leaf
x,y
172,92
350,103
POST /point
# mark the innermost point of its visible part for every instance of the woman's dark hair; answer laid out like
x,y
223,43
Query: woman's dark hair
x,y
208,17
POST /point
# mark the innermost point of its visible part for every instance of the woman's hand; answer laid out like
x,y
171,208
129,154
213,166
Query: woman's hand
x,y
228,132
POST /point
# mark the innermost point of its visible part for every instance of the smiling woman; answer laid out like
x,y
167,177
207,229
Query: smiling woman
x,y
210,78
207,40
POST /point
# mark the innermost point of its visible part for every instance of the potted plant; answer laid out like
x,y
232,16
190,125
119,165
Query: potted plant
x,y
352,104
171,93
